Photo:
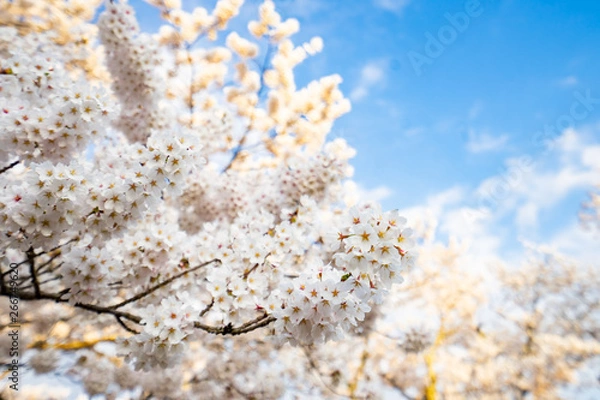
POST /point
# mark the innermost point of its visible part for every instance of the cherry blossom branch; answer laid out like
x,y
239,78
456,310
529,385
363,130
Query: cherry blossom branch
x,y
9,166
229,329
58,298
128,329
208,307
31,259
164,283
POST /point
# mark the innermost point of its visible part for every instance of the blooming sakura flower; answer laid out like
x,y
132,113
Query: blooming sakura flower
x,y
182,192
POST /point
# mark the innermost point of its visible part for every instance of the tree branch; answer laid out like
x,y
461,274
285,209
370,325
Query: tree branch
x,y
90,307
154,288
31,259
228,329
9,166
128,329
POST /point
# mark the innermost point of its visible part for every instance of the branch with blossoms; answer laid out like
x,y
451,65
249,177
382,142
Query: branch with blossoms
x,y
130,221
113,310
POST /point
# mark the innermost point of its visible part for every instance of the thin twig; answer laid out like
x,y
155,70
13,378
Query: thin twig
x,y
9,166
154,288
42,282
44,252
128,329
228,329
207,308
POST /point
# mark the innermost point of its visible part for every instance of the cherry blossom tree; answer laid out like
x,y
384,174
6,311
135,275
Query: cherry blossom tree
x,y
176,224
164,194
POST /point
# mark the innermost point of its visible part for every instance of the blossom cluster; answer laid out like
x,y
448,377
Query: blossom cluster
x,y
255,254
38,210
44,115
190,205
212,196
298,117
245,365
189,26
88,274
132,58
165,326
63,23
53,202
326,300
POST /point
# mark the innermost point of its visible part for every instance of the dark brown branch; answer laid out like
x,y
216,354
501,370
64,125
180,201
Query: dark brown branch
x,y
2,286
259,322
154,288
9,166
228,329
120,316
128,329
47,263
31,259
90,307
207,308
250,271
42,282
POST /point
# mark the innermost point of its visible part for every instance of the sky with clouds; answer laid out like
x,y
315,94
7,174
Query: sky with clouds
x,y
485,114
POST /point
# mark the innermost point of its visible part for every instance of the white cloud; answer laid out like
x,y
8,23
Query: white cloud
x,y
358,93
484,142
575,241
528,185
355,193
371,74
526,188
396,6
591,157
375,194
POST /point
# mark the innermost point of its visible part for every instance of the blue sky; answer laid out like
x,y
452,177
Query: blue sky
x,y
447,126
